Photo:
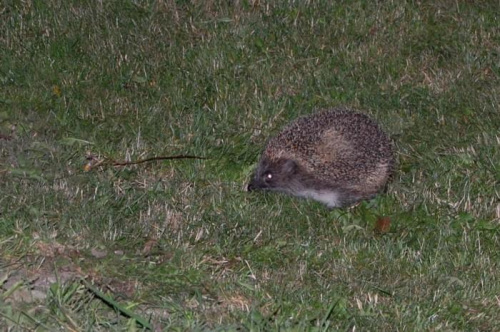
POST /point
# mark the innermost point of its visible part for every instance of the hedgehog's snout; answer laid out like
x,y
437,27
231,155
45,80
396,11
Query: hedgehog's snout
x,y
258,183
253,185
250,187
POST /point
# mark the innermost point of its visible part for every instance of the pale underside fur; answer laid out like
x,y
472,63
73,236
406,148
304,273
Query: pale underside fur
x,y
328,197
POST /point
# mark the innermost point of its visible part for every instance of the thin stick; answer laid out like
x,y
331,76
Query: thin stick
x,y
125,163
5,137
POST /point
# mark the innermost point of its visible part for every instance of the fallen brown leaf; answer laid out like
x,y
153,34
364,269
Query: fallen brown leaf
x,y
382,225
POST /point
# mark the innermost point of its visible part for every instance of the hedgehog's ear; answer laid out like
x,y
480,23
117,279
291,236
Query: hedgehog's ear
x,y
289,166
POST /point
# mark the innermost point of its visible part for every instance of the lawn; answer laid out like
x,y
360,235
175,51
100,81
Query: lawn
x,y
178,244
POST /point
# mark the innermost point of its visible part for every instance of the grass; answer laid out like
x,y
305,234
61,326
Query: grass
x,y
179,245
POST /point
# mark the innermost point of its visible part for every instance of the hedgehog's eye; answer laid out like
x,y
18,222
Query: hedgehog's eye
x,y
268,176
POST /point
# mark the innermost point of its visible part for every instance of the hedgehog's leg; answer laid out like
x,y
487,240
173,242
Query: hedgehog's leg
x,y
349,197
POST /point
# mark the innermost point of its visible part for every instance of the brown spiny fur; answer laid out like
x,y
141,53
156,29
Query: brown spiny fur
x,y
338,155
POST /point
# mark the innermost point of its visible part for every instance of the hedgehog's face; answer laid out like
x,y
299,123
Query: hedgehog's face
x,y
277,175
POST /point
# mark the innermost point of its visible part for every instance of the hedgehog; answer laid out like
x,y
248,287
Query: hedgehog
x,y
338,157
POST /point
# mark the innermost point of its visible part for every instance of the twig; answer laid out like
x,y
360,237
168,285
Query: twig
x,y
93,162
5,137
140,161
